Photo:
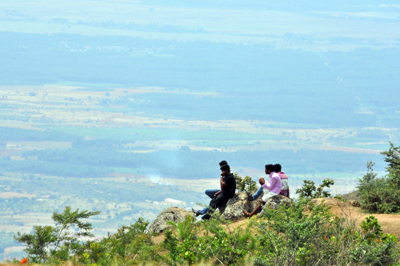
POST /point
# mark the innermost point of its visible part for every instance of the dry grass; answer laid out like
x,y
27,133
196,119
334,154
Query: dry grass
x,y
390,223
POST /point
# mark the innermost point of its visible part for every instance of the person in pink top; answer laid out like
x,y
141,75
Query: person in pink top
x,y
271,188
284,180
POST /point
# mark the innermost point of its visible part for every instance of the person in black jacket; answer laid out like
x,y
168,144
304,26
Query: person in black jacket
x,y
228,188
211,193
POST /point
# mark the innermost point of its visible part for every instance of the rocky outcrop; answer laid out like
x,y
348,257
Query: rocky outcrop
x,y
236,206
278,200
232,210
173,214
275,202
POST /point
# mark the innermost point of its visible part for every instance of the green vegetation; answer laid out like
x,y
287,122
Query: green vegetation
x,y
57,242
299,234
382,194
245,184
309,190
163,90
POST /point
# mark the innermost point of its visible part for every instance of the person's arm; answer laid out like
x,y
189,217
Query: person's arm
x,y
217,193
269,185
222,182
258,193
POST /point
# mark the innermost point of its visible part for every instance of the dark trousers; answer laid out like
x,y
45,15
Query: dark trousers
x,y
217,202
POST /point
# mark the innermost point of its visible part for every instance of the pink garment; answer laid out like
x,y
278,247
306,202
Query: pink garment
x,y
285,184
274,185
282,175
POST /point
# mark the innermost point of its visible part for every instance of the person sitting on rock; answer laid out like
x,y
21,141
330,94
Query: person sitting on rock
x,y
210,192
256,195
273,188
284,180
228,189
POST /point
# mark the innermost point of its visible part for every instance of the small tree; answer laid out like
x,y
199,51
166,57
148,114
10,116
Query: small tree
x,y
382,195
392,157
245,184
309,190
58,241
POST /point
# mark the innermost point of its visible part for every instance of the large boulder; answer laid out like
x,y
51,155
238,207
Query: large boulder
x,y
235,207
278,200
275,202
172,214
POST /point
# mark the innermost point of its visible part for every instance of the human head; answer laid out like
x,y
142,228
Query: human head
x,y
278,168
222,163
269,168
225,168
261,180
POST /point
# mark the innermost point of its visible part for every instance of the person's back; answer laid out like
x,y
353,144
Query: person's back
x,y
285,184
230,187
284,180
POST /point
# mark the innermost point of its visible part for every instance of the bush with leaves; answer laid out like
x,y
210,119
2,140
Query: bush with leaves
x,y
375,247
309,190
130,244
219,243
382,194
300,234
57,242
245,184
304,234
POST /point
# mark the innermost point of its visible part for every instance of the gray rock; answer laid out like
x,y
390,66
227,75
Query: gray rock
x,y
275,202
173,214
235,207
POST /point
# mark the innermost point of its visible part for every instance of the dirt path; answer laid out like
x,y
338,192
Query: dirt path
x,y
390,223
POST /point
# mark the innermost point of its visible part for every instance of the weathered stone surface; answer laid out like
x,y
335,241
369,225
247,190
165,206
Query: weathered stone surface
x,y
235,207
173,214
275,202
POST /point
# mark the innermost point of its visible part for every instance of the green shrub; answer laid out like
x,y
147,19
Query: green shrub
x,y
219,244
339,197
246,184
309,190
300,234
375,248
130,244
382,195
297,236
58,242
